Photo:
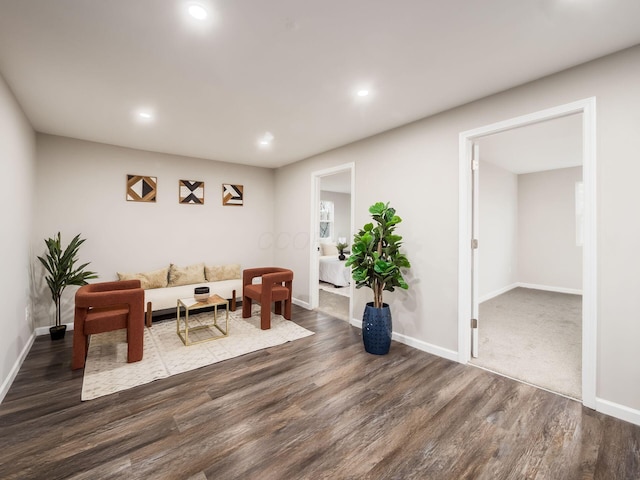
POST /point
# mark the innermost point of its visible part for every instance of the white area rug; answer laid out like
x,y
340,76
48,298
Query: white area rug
x,y
107,371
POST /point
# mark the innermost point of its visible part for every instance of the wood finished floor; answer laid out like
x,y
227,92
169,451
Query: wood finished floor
x,y
316,408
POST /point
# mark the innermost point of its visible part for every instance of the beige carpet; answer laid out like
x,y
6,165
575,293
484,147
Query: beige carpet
x,y
534,336
107,371
334,304
328,287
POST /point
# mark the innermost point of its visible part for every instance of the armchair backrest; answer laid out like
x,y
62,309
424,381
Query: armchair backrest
x,y
105,294
269,275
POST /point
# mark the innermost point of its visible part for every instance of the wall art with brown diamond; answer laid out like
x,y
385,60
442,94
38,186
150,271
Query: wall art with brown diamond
x,y
232,194
141,188
191,192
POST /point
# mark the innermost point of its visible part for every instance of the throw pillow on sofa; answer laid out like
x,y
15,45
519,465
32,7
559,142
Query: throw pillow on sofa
x,y
155,279
186,275
216,273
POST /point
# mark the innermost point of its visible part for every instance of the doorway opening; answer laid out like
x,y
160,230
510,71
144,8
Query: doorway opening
x,y
472,290
529,257
332,205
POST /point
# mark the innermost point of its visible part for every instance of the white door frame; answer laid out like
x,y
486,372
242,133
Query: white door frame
x,y
587,107
314,244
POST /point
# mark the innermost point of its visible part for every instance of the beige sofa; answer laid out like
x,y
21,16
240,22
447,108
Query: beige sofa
x,y
163,287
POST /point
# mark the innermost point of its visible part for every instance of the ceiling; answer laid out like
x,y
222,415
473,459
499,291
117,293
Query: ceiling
x,y
547,145
84,68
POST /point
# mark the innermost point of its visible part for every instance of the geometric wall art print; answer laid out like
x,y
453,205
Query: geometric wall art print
x,y
232,194
141,188
191,192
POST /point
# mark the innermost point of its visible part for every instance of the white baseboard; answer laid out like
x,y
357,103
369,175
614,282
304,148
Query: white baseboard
x,y
4,388
426,347
415,343
622,412
572,291
547,288
300,303
45,330
495,293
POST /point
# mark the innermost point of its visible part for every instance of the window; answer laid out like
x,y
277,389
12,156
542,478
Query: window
x,y
326,219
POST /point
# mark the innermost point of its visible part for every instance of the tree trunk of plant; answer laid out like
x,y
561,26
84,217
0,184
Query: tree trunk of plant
x,y
379,297
378,287
58,322
377,293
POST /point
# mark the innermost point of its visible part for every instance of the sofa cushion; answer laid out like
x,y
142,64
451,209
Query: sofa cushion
x,y
164,298
186,275
215,273
155,279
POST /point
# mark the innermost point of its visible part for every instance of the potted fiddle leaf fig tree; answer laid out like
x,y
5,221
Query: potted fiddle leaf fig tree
x,y
376,262
62,271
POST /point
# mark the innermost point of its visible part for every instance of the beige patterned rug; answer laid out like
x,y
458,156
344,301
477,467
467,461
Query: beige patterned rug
x,y
107,371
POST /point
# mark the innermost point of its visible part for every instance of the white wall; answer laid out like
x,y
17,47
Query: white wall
x,y
81,188
547,252
342,214
527,230
17,170
416,168
498,230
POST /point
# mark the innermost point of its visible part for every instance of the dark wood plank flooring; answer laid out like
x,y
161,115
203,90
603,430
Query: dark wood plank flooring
x,y
316,408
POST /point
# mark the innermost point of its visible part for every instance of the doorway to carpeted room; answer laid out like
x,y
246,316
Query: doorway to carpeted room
x,y
334,300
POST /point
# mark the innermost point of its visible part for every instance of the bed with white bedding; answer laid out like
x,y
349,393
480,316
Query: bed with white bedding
x,y
333,270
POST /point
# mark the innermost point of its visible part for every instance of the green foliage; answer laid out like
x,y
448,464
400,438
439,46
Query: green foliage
x,y
61,268
341,246
375,260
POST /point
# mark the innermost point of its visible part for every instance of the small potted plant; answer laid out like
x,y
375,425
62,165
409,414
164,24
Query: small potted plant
x,y
376,262
61,272
341,247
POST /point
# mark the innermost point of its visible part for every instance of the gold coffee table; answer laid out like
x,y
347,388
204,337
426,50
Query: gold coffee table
x,y
192,304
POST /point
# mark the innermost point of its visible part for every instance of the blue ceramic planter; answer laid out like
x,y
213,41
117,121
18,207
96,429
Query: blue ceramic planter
x,y
376,329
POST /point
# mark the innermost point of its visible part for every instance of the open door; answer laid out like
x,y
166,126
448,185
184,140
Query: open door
x,y
475,164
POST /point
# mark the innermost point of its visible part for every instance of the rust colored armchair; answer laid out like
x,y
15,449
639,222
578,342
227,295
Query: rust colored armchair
x,y
106,306
275,287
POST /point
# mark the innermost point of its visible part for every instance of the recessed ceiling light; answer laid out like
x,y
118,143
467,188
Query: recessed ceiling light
x,y
198,12
363,93
144,115
266,139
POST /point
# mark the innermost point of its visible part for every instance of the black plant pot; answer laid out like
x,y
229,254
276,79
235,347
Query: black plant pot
x,y
57,332
341,256
376,329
